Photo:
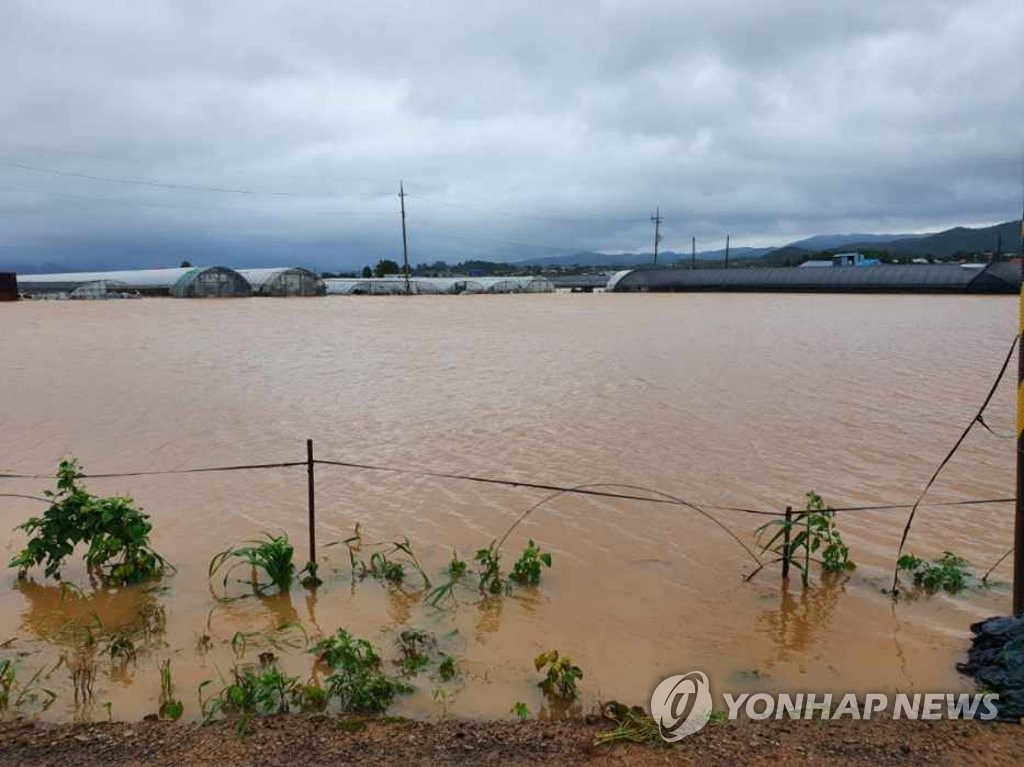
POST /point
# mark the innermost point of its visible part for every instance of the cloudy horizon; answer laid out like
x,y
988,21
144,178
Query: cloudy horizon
x,y
146,133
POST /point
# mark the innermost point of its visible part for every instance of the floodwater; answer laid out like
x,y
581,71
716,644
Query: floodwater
x,y
723,400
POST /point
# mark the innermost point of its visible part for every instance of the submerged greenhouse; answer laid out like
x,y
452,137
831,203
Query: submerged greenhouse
x,y
184,282
998,278
284,281
387,286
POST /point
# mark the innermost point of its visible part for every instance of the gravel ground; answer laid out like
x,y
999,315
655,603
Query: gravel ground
x,y
320,741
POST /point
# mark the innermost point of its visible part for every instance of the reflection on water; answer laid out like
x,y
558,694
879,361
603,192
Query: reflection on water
x,y
803,616
728,400
66,615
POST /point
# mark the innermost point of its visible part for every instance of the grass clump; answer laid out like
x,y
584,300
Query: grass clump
x,y
947,572
274,556
559,683
257,691
357,680
115,530
17,695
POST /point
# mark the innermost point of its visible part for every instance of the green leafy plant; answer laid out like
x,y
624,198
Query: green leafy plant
x,y
357,680
274,556
527,568
116,532
170,707
806,536
947,572
491,579
254,691
520,710
559,683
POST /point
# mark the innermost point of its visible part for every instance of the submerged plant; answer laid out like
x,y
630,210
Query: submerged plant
x,y
559,683
17,695
116,532
289,635
415,646
253,691
806,536
357,680
947,572
170,707
491,579
446,669
446,591
274,556
527,568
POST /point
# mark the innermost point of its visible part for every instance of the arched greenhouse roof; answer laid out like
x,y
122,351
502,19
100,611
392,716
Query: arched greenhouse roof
x,y
185,282
284,281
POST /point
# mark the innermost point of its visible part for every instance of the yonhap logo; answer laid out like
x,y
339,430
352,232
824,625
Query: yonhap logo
x,y
681,705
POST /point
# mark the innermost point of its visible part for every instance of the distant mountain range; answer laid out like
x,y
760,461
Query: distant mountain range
x,y
959,240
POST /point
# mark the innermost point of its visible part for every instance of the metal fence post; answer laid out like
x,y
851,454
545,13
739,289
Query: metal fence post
x,y
311,486
785,543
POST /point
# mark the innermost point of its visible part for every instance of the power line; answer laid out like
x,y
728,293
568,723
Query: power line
x,y
159,184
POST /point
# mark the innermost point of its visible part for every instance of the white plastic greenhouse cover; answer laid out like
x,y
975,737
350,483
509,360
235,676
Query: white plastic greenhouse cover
x,y
180,282
290,277
133,278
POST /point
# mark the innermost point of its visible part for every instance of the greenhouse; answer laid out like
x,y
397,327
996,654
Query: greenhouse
x,y
387,286
1002,278
284,281
374,286
186,282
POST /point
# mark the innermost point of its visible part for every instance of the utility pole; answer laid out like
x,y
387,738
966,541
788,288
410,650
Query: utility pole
x,y
1018,519
693,252
405,241
656,218
726,251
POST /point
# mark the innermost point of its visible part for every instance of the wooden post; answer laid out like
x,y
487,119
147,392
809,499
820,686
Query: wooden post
x,y
785,543
312,504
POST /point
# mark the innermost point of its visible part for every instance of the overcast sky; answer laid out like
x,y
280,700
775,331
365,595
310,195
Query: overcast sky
x,y
275,132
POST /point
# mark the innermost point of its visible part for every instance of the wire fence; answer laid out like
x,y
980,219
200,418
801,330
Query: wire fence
x,y
606,490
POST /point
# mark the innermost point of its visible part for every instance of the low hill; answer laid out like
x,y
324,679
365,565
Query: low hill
x,y
959,240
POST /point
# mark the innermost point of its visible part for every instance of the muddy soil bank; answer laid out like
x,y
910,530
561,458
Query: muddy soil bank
x,y
322,741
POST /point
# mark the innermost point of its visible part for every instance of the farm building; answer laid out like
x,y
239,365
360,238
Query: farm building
x,y
186,282
1002,278
284,281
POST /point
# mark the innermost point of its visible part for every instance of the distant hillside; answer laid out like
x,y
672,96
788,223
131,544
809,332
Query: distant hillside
x,y
820,242
608,260
790,255
958,240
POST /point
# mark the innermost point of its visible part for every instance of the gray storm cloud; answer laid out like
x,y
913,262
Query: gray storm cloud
x,y
142,133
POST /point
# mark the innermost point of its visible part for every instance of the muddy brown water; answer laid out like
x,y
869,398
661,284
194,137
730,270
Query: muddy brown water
x,y
746,400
